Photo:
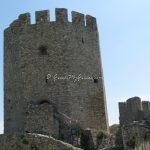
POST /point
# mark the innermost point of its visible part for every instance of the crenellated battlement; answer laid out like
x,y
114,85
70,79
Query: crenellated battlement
x,y
134,110
42,16
78,18
23,19
61,15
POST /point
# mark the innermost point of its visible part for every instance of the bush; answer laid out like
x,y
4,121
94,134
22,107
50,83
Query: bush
x,y
102,134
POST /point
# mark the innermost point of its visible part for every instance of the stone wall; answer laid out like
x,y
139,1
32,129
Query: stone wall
x,y
136,135
57,124
41,118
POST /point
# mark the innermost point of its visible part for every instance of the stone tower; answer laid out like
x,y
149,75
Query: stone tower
x,y
135,124
134,110
41,64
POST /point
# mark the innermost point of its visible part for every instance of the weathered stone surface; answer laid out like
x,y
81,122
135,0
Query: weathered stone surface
x,y
136,135
87,141
135,124
41,118
35,54
32,142
116,137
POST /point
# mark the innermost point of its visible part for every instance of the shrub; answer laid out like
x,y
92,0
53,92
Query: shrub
x,y
102,134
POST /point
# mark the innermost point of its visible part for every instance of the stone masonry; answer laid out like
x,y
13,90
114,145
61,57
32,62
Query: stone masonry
x,y
136,135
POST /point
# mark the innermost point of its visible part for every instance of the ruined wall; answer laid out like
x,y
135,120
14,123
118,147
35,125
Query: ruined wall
x,y
35,53
135,124
136,136
41,118
134,110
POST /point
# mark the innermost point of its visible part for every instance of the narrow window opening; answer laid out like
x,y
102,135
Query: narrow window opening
x,y
95,80
43,50
46,79
82,40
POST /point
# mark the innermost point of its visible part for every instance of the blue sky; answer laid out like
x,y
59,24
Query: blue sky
x,y
124,28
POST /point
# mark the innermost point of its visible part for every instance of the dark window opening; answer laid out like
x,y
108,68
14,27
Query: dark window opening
x,y
82,40
95,80
44,102
43,50
46,79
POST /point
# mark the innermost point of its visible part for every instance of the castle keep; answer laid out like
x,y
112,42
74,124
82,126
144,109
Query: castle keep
x,y
36,53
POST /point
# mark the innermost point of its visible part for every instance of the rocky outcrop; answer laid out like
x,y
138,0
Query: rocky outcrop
x,y
32,142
